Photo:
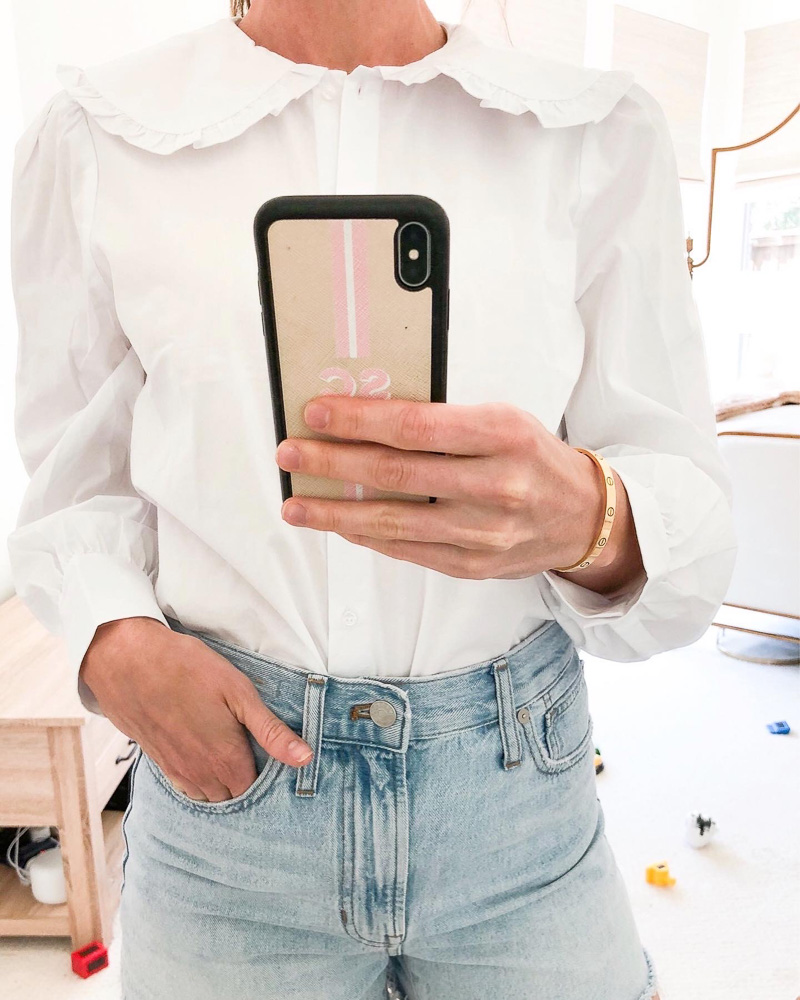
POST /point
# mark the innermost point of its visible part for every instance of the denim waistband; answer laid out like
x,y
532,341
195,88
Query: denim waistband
x,y
408,708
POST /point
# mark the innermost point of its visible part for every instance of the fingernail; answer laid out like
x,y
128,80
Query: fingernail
x,y
301,753
317,415
295,513
289,457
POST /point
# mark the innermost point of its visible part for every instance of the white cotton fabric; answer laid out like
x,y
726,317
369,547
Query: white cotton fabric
x,y
143,410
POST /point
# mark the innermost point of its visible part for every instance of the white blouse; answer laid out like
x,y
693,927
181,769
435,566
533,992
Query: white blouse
x,y
143,409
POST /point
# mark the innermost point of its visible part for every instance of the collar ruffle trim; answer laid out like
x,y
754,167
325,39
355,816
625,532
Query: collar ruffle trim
x,y
243,83
118,122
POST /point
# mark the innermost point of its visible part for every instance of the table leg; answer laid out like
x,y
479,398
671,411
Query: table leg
x,y
81,836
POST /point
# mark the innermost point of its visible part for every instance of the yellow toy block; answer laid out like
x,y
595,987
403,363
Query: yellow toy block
x,y
659,874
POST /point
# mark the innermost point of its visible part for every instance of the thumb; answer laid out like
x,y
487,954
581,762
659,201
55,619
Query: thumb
x,y
271,732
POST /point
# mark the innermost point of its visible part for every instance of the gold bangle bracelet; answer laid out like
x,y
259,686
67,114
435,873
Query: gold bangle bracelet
x,y
608,516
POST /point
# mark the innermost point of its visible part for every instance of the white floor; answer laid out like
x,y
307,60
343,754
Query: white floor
x,y
683,731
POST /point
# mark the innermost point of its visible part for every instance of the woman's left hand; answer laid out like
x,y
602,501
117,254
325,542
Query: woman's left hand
x,y
512,498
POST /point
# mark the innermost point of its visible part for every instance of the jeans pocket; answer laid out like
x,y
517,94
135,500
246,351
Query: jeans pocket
x,y
267,767
557,724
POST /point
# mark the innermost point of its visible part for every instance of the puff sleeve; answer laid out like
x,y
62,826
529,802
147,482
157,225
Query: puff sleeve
x,y
642,398
84,550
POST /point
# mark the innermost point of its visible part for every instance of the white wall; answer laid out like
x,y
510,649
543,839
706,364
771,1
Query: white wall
x,y
760,13
11,475
49,32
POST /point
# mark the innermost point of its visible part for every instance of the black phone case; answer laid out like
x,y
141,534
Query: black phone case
x,y
302,294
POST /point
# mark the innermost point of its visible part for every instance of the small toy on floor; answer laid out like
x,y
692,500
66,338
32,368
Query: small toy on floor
x,y
598,761
659,874
779,728
700,830
89,959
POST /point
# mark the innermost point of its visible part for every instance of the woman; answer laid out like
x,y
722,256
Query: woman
x,y
445,828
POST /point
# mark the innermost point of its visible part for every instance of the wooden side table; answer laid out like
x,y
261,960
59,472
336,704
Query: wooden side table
x,y
59,765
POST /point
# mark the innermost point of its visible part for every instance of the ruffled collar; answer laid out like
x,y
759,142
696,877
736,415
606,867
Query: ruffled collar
x,y
208,85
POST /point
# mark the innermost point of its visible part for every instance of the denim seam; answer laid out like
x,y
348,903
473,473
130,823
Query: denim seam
x,y
343,841
313,722
262,784
395,935
442,734
567,698
652,979
552,715
550,765
128,808
504,691
347,814
545,696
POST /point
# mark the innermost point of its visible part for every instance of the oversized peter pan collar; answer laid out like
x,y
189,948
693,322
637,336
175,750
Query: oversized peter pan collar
x,y
208,85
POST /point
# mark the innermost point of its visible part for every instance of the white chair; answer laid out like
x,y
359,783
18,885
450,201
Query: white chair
x,y
760,619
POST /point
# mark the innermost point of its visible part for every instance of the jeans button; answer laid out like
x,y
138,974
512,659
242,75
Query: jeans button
x,y
383,713
524,715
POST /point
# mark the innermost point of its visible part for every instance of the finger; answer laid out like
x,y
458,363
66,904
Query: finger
x,y
397,471
270,732
234,764
448,559
192,792
205,785
470,429
443,522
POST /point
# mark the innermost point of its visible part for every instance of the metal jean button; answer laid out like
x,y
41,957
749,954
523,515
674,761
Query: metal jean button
x,y
383,713
524,715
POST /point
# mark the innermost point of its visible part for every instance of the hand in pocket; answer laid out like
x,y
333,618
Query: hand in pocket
x,y
189,709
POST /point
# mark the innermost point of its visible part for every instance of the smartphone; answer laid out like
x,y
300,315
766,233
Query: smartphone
x,y
354,296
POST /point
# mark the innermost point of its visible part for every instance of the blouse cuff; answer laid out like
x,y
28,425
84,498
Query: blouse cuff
x,y
582,603
99,588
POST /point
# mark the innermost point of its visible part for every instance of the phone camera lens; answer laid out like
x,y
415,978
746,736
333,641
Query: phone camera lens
x,y
413,254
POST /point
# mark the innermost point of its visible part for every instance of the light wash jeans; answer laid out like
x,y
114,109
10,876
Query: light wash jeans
x,y
445,843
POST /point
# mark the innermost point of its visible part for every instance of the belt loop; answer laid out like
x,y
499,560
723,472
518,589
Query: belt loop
x,y
509,733
313,715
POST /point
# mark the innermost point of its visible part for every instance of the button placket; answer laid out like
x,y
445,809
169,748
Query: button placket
x,y
359,131
326,130
351,567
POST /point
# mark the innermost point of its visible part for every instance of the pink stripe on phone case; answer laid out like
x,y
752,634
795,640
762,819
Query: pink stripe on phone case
x,y
350,287
351,307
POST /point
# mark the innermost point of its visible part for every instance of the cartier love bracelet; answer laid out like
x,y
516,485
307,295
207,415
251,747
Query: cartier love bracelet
x,y
608,518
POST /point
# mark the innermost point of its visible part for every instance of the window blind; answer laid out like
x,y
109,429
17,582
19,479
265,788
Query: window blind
x,y
670,61
771,90
554,29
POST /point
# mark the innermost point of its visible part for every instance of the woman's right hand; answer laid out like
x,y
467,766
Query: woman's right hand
x,y
186,706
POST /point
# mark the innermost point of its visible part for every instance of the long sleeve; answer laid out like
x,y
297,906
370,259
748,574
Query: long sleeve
x,y
84,550
642,399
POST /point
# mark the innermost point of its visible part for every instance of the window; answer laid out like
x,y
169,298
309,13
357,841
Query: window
x,y
768,333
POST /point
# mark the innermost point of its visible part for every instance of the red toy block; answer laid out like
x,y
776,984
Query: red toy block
x,y
89,959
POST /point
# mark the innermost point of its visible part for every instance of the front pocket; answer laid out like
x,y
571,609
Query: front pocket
x,y
558,725
267,766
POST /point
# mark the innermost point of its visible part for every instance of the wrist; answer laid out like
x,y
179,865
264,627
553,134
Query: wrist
x,y
619,567
584,513
113,632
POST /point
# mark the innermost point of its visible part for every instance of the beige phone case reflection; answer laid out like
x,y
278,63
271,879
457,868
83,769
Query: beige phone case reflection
x,y
344,326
